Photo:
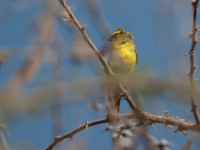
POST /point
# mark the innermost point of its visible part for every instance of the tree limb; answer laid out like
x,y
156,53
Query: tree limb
x,y
194,38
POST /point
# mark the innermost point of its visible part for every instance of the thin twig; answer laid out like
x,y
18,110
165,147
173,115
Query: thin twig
x,y
69,136
194,39
86,37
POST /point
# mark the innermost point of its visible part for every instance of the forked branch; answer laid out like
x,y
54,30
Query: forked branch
x,y
149,119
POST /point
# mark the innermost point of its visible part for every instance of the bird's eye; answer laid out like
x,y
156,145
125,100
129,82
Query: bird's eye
x,y
114,37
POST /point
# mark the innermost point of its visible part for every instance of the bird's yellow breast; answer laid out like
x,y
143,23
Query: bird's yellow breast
x,y
128,54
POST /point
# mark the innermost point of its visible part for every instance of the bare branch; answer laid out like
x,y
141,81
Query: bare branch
x,y
194,39
69,136
81,28
149,119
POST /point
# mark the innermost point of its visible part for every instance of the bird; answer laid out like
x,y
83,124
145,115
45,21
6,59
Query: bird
x,y
122,60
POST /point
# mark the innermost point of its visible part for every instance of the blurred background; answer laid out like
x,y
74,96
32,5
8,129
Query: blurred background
x,y
51,81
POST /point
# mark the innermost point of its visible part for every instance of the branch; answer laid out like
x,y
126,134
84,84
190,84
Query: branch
x,y
194,38
69,136
181,125
85,36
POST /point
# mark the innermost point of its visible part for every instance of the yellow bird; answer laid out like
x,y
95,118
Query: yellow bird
x,y
122,60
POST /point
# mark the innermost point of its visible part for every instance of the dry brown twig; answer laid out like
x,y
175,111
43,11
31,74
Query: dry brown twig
x,y
69,136
143,117
194,38
181,125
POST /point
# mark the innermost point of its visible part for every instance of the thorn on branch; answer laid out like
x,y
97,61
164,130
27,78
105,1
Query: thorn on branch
x,y
180,129
196,28
57,137
187,53
71,8
70,139
190,35
166,114
184,132
194,67
192,53
65,16
87,124
83,27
